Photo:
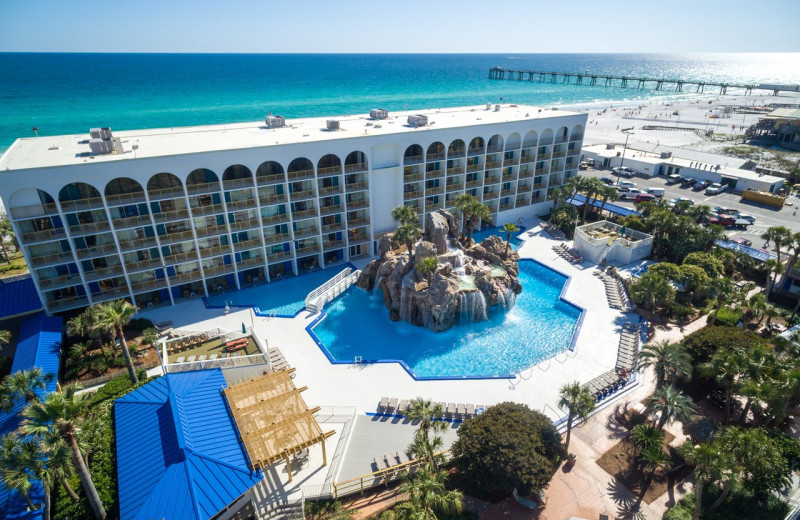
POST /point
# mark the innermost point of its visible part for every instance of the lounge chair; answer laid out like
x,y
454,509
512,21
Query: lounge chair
x,y
212,357
403,457
450,411
180,359
191,358
444,410
470,411
202,357
391,459
403,407
461,411
383,404
380,463
392,405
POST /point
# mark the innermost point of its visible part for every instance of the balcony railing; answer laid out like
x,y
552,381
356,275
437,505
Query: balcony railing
x,y
100,250
125,198
357,204
67,303
433,206
511,162
330,190
110,294
143,265
272,199
507,192
275,219
508,177
474,184
504,207
490,195
244,245
241,204
217,270
543,157
209,251
185,277
128,222
355,186
302,214
195,189
451,154
357,238
434,174
137,243
356,222
355,167
90,228
175,214
103,272
247,263
176,236
299,175
242,225
301,195
492,179
474,167
410,195
266,180
279,257
523,201
149,285
329,171
34,211
434,156
455,171
541,171
52,259
235,184
435,190
276,238
414,177
527,159
306,232
558,155
328,245
328,210
328,228
208,231
166,193
527,174
413,159
179,258
522,188
307,250
82,204
60,281
455,186
494,149
207,209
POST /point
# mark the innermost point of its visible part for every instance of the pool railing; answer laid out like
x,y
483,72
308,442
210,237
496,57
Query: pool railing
x,y
317,298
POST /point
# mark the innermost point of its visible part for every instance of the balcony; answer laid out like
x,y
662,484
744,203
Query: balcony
x,y
247,263
493,164
455,186
455,171
527,174
306,232
474,167
276,238
125,198
51,259
355,186
329,245
149,285
356,222
434,156
103,272
209,231
34,211
558,155
413,177
307,250
492,179
207,209
541,171
329,228
328,210
358,238
266,180
101,250
175,214
456,153
509,177
273,258
176,236
473,184
243,225
178,258
507,193
435,190
490,195
355,167
186,277
89,229
197,189
543,157
137,243
494,149
413,159
527,159
434,174
303,214
166,193
244,245
302,195
409,195
241,204
237,184
523,188
60,281
300,175
329,171
511,162
329,190
357,204
433,206
281,218
129,222
507,206
82,204
142,265
539,186
272,199
217,270
521,202
209,251
67,303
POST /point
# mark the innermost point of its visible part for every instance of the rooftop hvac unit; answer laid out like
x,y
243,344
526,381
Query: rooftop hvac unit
x,y
101,146
417,120
332,124
275,121
610,146
103,133
666,155
378,113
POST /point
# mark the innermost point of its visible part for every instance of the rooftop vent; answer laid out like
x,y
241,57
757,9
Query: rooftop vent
x,y
610,146
666,155
102,142
275,121
101,146
332,124
417,120
378,113
103,133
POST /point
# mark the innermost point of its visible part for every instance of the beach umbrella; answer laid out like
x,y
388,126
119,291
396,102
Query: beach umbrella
x,y
244,328
623,230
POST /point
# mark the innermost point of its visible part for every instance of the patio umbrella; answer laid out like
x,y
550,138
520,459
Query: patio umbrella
x,y
623,230
244,328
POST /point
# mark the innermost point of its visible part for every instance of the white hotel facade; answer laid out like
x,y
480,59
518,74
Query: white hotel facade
x,y
179,213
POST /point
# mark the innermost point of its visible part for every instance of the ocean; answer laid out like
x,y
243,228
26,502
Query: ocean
x,y
69,93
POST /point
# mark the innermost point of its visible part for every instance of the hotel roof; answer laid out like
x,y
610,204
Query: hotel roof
x,y
32,152
178,455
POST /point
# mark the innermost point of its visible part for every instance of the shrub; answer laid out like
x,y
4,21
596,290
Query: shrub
x,y
668,270
116,387
706,261
681,311
740,505
701,345
509,446
728,317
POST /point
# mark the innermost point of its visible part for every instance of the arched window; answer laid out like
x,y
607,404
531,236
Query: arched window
x,y
577,133
495,144
270,172
476,146
456,149
123,188
562,134
202,180
414,154
513,142
435,151
530,141
355,162
329,164
237,175
78,191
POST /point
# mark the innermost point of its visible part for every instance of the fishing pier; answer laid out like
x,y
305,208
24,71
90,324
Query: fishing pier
x,y
605,80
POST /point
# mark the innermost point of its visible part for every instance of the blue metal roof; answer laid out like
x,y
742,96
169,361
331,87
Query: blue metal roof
x,y
580,200
18,296
178,453
38,346
758,254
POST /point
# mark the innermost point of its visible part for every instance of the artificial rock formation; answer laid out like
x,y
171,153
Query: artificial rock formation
x,y
465,284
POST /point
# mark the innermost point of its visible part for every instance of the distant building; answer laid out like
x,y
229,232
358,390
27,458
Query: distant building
x,y
669,163
608,242
780,127
164,215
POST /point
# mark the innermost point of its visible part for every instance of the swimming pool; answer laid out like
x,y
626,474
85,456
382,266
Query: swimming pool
x,y
539,326
479,236
283,298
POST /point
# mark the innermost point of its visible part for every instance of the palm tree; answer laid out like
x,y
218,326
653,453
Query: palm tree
x,y
579,403
150,336
671,404
23,384
6,231
428,495
771,312
710,463
463,203
429,449
652,291
653,458
47,466
14,472
700,213
669,360
477,212
408,234
62,414
405,215
510,229
425,413
756,306
112,316
725,367
773,269
5,338
760,364
646,436
723,290
609,194
592,187
793,243
779,235
427,266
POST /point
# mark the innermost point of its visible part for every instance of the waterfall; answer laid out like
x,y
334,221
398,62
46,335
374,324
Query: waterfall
x,y
472,306
378,281
406,295
507,298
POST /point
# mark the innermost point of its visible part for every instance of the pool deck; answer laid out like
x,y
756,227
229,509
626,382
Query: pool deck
x,y
362,386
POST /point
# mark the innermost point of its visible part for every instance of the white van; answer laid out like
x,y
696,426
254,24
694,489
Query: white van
x,y
655,192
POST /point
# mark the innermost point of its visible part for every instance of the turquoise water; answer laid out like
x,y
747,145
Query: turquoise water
x,y
69,93
539,326
479,236
284,297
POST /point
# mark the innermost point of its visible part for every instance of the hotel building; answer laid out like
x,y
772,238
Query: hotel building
x,y
165,215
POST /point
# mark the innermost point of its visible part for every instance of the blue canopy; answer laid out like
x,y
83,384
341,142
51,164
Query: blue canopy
x,y
758,254
579,200
18,296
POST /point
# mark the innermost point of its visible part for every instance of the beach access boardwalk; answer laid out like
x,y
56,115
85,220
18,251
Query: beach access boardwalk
x,y
608,80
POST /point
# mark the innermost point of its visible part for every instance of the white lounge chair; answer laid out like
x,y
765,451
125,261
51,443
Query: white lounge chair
x,y
383,405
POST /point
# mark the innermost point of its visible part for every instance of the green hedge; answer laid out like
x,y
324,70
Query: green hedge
x,y
728,317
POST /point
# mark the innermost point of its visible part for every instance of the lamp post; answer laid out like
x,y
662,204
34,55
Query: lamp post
x,y
627,132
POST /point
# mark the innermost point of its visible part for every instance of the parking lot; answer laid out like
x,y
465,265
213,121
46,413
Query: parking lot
x,y
766,216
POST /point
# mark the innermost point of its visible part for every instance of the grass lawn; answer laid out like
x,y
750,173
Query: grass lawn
x,y
17,265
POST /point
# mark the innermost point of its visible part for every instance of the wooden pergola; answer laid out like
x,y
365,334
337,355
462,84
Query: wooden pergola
x,y
274,420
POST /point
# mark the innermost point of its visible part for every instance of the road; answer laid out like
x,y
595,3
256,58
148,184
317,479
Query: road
x,y
766,216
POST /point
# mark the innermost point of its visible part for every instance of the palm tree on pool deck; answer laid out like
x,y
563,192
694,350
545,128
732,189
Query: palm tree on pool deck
x,y
112,316
477,212
425,413
669,360
509,229
578,401
672,404
62,414
428,495
710,465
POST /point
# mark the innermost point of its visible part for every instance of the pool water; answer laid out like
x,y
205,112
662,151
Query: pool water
x,y
283,298
539,326
479,236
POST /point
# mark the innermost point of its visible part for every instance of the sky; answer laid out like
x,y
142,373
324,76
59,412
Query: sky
x,y
402,26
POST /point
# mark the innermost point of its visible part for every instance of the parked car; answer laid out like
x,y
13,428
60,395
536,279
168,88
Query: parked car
x,y
656,192
630,194
701,185
626,184
716,188
722,220
741,241
688,181
678,200
607,180
674,178
645,197
623,171
746,216
583,166
719,209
